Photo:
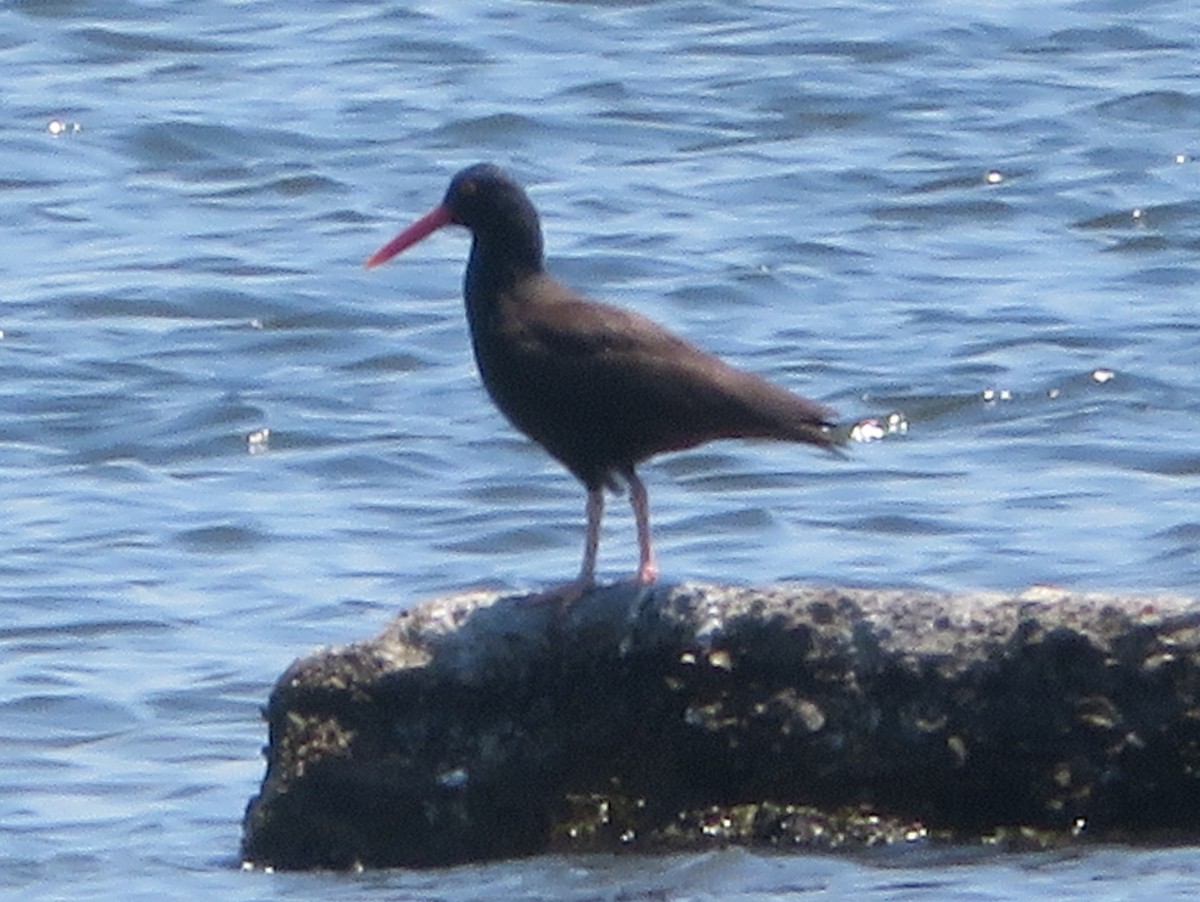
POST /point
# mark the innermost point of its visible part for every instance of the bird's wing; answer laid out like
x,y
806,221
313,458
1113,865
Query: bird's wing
x,y
606,357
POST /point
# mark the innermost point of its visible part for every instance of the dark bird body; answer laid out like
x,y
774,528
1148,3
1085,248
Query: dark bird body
x,y
600,388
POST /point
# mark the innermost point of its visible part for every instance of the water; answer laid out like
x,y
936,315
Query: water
x,y
223,443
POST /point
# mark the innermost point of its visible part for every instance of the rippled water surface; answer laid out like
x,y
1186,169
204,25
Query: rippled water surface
x,y
222,442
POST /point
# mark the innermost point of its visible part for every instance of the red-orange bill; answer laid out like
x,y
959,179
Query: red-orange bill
x,y
430,222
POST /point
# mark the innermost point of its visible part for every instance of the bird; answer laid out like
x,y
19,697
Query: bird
x,y
601,388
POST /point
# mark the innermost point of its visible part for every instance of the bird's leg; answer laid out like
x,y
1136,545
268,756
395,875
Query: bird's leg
x,y
571,592
591,545
647,565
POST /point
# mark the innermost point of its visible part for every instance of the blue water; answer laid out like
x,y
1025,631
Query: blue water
x,y
223,443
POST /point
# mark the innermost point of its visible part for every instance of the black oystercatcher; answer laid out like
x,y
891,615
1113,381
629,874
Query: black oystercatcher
x,y
602,389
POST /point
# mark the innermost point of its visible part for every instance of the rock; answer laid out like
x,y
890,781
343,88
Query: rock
x,y
476,727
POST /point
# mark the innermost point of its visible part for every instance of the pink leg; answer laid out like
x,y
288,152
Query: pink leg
x,y
595,513
571,592
647,565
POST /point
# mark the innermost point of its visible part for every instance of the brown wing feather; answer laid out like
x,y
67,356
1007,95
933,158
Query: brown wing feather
x,y
601,387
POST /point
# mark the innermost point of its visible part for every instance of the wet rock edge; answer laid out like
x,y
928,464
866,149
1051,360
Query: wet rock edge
x,y
476,727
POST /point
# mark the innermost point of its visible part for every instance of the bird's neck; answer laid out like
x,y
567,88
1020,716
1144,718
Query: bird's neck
x,y
495,268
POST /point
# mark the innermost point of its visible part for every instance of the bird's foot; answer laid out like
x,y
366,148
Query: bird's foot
x,y
647,574
644,578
